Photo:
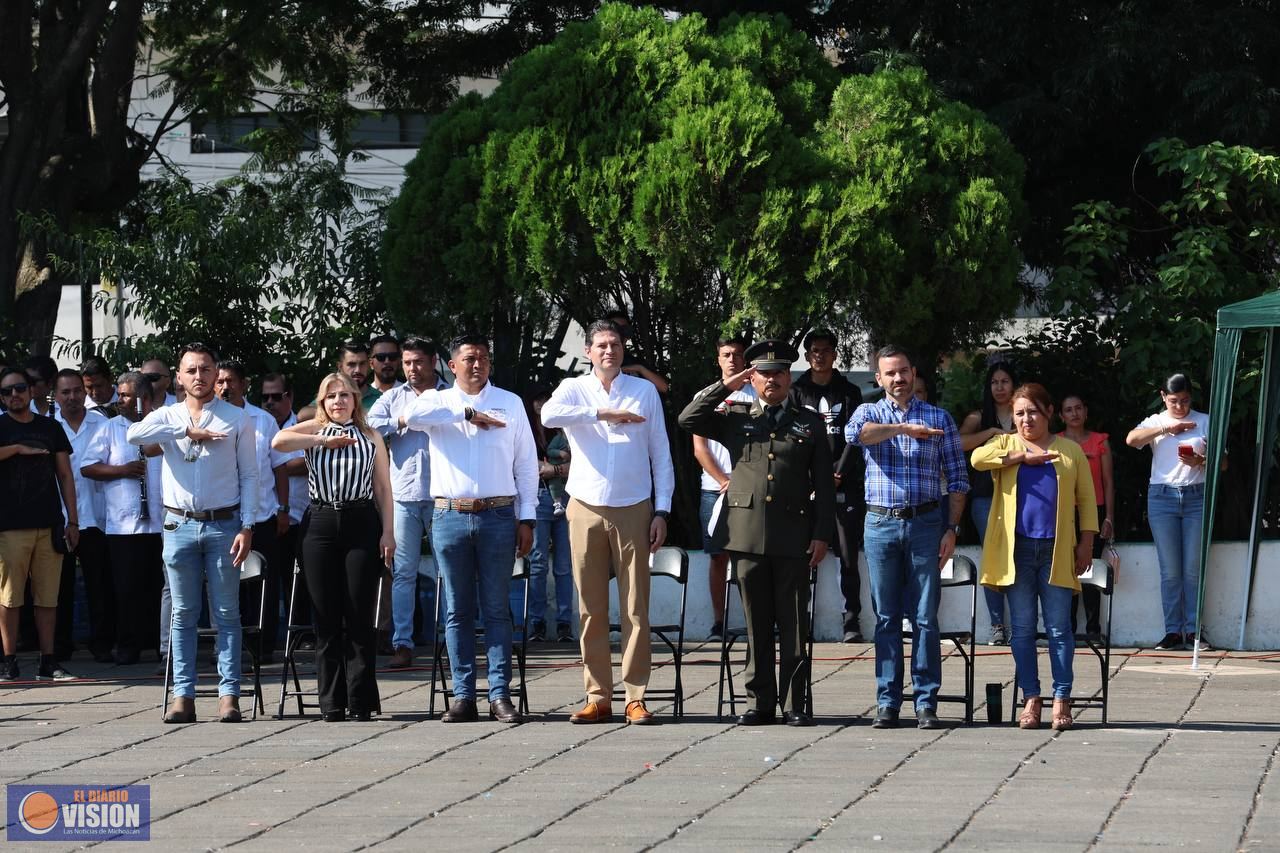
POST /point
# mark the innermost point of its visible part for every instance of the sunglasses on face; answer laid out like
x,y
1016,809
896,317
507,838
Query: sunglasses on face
x,y
155,377
387,356
16,388
272,398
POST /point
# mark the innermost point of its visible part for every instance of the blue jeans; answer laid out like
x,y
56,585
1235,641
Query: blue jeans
x,y
980,511
902,566
196,553
551,536
476,549
412,519
1032,562
1175,513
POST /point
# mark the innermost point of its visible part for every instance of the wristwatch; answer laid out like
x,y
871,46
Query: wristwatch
x,y
661,513
955,528
282,508
468,413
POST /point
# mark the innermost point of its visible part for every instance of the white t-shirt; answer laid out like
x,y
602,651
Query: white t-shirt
x,y
1166,468
720,453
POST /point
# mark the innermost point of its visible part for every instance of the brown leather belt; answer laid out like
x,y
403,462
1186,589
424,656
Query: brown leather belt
x,y
474,504
206,514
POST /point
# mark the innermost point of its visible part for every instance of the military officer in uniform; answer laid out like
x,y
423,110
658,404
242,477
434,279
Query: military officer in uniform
x,y
776,518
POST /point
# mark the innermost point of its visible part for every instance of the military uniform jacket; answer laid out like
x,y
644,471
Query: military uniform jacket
x,y
768,508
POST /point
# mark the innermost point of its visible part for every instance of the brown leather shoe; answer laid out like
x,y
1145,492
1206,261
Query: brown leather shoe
x,y
229,709
638,714
461,711
402,659
504,711
593,712
181,710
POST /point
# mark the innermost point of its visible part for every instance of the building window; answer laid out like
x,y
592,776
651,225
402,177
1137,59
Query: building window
x,y
371,130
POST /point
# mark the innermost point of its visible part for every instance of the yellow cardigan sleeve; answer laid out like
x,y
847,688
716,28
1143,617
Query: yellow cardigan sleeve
x,y
987,457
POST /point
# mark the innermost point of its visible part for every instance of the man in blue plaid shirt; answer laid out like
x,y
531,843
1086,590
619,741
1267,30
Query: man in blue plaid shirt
x,y
909,446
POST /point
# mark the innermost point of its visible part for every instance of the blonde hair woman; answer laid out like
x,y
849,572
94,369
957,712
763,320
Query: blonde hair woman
x,y
347,538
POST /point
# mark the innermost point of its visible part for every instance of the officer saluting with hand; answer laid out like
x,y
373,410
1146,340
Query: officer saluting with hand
x,y
776,516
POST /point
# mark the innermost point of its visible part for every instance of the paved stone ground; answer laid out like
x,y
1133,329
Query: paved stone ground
x,y
1186,761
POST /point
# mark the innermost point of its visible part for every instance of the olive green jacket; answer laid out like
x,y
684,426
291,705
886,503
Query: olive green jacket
x,y
770,506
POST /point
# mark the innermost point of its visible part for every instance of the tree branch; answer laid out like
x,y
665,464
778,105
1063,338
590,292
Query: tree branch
x,y
76,54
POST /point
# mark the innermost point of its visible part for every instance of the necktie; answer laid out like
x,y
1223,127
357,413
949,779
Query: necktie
x,y
775,415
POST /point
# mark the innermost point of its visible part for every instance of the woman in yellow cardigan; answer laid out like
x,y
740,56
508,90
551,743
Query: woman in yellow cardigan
x,y
1030,551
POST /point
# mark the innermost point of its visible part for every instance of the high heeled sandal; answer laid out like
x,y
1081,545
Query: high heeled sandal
x,y
1030,716
1062,719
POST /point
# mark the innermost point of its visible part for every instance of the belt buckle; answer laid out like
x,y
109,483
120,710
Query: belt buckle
x,y
468,504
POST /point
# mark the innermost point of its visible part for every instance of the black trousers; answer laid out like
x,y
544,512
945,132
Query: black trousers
x,y
267,543
137,567
99,591
341,565
775,591
289,549
851,511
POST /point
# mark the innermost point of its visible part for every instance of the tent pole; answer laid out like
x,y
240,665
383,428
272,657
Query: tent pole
x,y
1262,467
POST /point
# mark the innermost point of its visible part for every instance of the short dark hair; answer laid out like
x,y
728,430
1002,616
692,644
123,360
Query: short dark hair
x,y
618,314
416,343
893,351
821,335
136,378
735,340
46,367
277,377
384,339
603,326
68,373
197,347
10,371
95,365
230,365
352,346
473,339
1176,384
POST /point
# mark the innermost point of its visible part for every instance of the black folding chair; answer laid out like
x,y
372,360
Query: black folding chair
x,y
732,633
295,635
958,573
251,578
673,563
1099,575
442,676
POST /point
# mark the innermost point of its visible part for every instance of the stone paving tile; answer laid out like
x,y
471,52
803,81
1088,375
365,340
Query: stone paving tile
x,y
1188,760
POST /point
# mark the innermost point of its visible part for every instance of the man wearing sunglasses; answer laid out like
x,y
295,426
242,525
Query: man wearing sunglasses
x,y
35,466
384,354
155,371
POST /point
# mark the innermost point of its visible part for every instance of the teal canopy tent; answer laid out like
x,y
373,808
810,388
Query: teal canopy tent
x,y
1261,313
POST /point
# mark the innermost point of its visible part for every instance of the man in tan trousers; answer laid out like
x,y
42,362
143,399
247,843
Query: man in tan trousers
x,y
614,424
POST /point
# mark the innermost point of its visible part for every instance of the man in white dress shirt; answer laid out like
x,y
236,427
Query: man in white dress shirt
x,y
272,522
210,487
618,438
484,478
129,477
410,484
81,424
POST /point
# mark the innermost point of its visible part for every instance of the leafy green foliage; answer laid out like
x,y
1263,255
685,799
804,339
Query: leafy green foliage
x,y
274,272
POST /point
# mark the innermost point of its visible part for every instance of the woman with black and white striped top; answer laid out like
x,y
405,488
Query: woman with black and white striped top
x,y
345,532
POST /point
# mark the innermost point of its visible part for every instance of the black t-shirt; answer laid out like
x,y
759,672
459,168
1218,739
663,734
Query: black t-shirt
x,y
29,496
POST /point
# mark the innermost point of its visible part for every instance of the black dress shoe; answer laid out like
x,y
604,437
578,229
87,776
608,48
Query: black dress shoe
x,y
504,711
797,718
362,716
336,716
461,711
886,718
927,718
756,717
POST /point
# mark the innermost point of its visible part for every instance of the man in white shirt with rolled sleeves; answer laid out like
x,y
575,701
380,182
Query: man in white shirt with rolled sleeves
x,y
484,481
210,488
618,438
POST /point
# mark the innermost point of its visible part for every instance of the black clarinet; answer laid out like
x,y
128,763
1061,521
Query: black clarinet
x,y
144,513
